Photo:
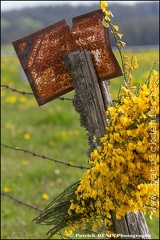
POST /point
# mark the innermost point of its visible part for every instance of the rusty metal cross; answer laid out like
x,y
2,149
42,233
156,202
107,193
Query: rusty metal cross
x,y
41,54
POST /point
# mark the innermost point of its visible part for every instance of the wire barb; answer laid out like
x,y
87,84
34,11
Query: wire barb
x,y
30,93
20,202
15,90
43,157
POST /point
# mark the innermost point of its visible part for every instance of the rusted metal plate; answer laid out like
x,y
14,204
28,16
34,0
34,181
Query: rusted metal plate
x,y
89,33
41,56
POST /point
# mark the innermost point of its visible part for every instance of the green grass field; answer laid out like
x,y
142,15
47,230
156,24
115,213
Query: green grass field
x,y
52,130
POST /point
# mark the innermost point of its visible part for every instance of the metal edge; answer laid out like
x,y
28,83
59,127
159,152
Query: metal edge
x,y
42,102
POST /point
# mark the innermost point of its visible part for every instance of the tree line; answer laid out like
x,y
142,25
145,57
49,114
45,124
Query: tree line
x,y
139,23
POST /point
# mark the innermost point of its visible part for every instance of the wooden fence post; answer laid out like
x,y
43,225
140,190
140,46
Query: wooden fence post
x,y
90,100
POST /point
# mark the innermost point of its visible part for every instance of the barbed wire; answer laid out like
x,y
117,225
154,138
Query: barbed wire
x,y
20,202
44,157
35,154
15,90
29,206
30,93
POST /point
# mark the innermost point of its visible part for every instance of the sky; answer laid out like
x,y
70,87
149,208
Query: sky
x,y
11,5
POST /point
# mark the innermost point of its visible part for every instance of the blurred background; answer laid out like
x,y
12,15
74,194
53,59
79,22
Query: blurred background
x,y
54,130
138,20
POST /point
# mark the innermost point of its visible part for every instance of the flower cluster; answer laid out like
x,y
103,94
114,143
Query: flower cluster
x,y
108,23
124,169
128,65
123,175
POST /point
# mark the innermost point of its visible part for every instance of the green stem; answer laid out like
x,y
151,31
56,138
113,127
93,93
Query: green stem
x,y
120,52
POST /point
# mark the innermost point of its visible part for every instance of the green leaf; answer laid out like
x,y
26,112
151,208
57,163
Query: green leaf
x,y
105,24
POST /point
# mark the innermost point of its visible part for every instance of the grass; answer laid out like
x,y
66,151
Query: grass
x,y
52,130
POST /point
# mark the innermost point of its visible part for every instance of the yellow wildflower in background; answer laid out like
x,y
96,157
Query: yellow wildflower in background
x,y
6,189
45,196
23,99
25,163
9,126
11,99
27,136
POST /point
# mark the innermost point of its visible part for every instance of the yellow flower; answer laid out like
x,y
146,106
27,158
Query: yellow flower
x,y
138,165
11,99
144,89
9,126
118,45
72,206
23,99
107,18
120,35
103,9
6,189
25,163
45,196
67,232
117,137
124,121
154,72
83,227
116,27
129,75
107,13
135,62
140,147
95,225
123,44
27,136
103,4
130,202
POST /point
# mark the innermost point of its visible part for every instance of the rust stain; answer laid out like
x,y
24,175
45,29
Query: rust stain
x,y
41,54
89,33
